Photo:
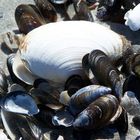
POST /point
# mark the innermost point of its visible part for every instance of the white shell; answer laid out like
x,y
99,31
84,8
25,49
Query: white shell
x,y
132,18
54,51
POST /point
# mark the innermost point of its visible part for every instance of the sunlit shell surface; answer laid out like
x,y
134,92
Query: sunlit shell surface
x,y
54,51
132,18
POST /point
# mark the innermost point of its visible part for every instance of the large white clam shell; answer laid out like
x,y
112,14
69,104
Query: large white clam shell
x,y
132,18
54,51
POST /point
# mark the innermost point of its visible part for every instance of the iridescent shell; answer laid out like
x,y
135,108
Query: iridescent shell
x,y
98,113
85,96
54,51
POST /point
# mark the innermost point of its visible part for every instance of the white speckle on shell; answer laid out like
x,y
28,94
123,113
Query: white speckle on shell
x,y
54,51
132,18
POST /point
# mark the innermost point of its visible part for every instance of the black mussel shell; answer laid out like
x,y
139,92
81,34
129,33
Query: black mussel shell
x,y
45,98
85,96
105,72
19,102
27,18
121,123
63,118
87,70
45,115
3,82
47,10
16,126
97,114
14,78
74,83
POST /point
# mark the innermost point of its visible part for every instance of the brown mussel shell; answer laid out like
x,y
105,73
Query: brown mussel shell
x,y
85,96
82,10
98,113
105,72
47,10
27,18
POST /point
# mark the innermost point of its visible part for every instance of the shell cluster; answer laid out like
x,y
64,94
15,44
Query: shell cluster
x,y
72,76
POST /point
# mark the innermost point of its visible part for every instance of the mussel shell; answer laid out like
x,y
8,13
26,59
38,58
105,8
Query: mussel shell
x,y
45,115
57,61
27,19
16,126
42,97
98,113
47,10
74,83
3,82
85,96
19,102
63,118
121,122
105,72
14,78
82,11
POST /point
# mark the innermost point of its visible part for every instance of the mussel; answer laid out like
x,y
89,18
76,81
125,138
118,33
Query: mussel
x,y
45,115
98,113
82,10
74,83
85,96
19,102
105,72
16,126
57,61
14,78
47,10
3,83
27,18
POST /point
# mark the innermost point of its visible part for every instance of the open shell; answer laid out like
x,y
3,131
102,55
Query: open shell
x,y
54,51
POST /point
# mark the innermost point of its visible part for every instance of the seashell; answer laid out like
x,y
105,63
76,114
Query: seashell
x,y
132,18
98,113
42,97
121,120
47,10
57,60
64,98
16,87
130,103
36,128
27,19
45,115
14,78
19,102
110,77
58,1
82,10
74,83
85,96
16,126
63,118
3,82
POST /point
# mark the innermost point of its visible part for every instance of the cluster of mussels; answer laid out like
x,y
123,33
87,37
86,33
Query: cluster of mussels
x,y
104,96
